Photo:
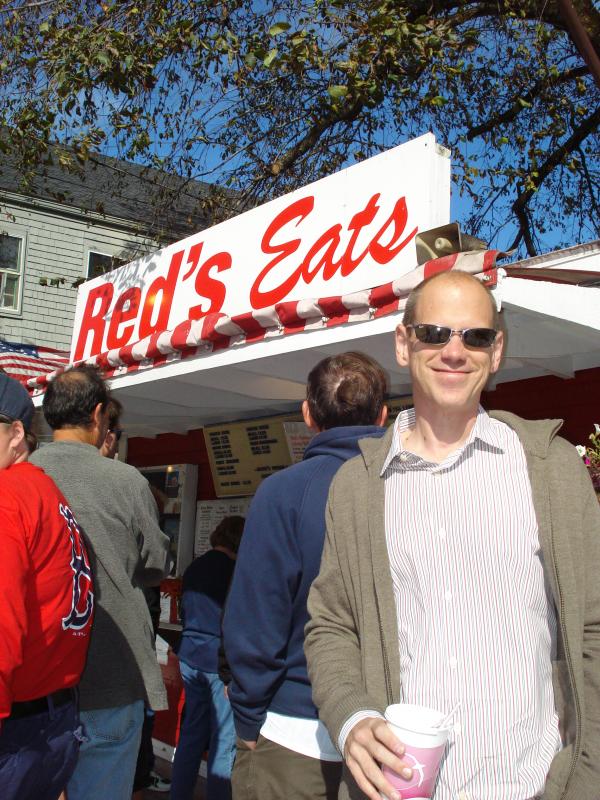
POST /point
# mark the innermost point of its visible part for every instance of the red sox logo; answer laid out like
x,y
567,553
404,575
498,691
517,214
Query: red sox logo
x,y
82,604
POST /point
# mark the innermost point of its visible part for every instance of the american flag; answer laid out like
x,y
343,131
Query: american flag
x,y
24,361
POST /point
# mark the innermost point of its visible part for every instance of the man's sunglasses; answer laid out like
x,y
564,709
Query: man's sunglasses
x,y
439,334
118,432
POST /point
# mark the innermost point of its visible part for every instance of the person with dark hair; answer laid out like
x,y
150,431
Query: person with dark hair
x,y
74,397
460,573
115,507
207,723
47,603
110,445
283,750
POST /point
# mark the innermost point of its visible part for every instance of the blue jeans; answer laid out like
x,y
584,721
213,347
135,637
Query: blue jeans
x,y
38,753
107,759
207,724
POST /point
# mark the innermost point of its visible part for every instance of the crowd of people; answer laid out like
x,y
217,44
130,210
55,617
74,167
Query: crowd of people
x,y
450,560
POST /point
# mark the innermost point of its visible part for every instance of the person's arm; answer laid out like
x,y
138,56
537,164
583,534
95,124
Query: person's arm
x,y
14,565
258,613
155,561
333,653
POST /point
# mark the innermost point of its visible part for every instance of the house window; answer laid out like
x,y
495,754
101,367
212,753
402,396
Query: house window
x,y
99,263
11,272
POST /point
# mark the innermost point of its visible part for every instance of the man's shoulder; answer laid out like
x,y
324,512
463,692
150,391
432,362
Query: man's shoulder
x,y
539,437
123,471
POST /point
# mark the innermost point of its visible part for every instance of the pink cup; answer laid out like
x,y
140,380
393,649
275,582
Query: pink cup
x,y
424,747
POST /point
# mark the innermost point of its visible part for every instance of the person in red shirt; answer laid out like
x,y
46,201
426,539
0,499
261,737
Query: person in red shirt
x,y
46,612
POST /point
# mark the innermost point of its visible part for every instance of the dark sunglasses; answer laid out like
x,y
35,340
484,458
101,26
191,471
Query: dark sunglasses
x,y
117,433
439,334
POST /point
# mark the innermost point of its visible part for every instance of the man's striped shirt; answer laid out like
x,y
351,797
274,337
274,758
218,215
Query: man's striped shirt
x,y
476,621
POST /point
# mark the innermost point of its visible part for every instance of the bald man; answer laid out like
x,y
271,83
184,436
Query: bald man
x,y
461,567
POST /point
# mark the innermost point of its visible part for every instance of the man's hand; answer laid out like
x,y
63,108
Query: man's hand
x,y
249,745
370,744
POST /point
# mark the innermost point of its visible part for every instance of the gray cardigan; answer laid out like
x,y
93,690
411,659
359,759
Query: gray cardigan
x,y
352,637
113,504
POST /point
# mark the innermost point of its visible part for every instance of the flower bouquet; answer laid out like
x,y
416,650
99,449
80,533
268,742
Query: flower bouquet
x,y
591,456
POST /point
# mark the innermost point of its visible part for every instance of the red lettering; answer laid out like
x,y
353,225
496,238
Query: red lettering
x,y
383,254
299,210
331,240
93,320
209,287
126,308
166,287
357,223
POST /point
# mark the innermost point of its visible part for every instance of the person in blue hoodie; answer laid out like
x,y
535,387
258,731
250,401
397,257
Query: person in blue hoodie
x,y
207,721
282,748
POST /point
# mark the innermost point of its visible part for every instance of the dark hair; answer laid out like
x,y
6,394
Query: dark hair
x,y
73,395
453,276
228,533
347,389
114,409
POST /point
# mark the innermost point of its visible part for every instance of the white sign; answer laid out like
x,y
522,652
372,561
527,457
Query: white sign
x,y
298,436
350,231
208,515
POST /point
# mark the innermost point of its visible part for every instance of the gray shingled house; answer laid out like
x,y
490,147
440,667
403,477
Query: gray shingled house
x,y
75,222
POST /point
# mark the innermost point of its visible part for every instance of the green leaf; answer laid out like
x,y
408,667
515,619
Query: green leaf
x,y
103,58
279,27
337,91
271,56
44,27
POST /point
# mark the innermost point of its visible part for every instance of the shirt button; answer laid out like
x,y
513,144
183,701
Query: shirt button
x,y
453,662
403,457
442,533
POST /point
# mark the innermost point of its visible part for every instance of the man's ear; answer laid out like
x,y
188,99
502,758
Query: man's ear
x,y
401,338
98,416
17,434
497,350
383,415
307,417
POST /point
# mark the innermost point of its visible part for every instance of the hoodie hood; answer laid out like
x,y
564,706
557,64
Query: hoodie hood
x,y
342,443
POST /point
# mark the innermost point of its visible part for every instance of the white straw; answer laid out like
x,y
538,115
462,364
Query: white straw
x,y
448,717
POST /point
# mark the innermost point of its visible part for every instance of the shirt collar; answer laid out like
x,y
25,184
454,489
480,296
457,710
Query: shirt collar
x,y
483,431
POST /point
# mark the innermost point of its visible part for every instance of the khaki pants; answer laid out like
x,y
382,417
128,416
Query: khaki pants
x,y
272,772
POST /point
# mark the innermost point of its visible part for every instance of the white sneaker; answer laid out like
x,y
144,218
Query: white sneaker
x,y
158,783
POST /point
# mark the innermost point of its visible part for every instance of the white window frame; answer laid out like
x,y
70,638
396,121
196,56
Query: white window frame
x,y
16,233
99,252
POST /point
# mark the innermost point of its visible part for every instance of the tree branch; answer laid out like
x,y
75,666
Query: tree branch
x,y
511,113
520,205
590,184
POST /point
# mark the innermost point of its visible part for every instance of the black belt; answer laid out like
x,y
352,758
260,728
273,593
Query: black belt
x,y
28,708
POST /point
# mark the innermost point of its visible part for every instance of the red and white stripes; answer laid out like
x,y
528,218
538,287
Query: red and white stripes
x,y
219,331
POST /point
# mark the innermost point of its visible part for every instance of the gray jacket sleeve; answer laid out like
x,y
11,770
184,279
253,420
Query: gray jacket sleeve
x,y
332,644
155,560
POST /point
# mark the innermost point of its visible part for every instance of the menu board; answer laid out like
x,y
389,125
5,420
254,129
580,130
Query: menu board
x,y
298,435
242,454
398,404
208,515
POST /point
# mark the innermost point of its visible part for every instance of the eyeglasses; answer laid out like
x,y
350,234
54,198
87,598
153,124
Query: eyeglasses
x,y
118,432
440,334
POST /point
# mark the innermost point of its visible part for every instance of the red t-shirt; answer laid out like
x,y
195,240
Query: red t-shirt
x,y
46,589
